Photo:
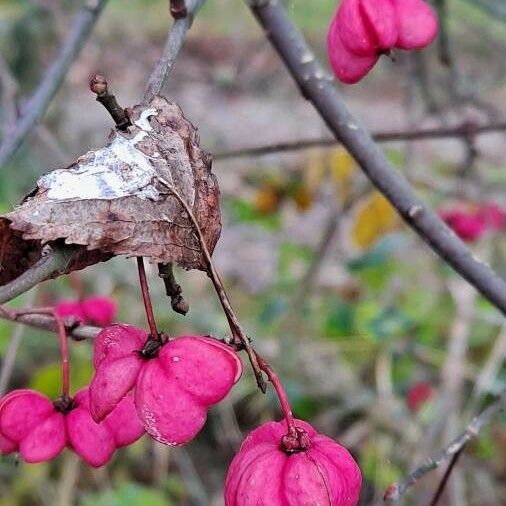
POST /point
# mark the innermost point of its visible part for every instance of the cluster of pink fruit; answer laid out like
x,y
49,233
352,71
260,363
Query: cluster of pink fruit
x,y
471,222
362,30
164,387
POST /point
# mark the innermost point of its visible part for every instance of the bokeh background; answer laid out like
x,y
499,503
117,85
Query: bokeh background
x,y
379,344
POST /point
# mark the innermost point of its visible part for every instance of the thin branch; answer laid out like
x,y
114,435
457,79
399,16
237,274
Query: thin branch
x,y
445,47
173,45
423,134
37,105
46,322
397,490
446,477
56,259
320,90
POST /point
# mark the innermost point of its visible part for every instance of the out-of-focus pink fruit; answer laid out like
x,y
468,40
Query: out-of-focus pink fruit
x,y
174,385
418,394
469,226
319,472
70,308
97,310
471,221
362,30
494,216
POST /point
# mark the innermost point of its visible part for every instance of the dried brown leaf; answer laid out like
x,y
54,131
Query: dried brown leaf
x,y
115,200
16,254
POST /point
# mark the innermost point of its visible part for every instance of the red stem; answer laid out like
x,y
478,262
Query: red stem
x,y
280,392
62,333
64,349
146,298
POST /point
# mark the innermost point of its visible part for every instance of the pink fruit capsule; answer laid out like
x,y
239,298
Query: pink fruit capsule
x,y
174,386
39,429
367,27
263,473
417,24
362,30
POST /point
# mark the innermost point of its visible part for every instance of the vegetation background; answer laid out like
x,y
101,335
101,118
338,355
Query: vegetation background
x,y
352,311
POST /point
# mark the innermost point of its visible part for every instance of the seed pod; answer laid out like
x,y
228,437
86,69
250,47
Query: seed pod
x,y
175,382
362,30
270,469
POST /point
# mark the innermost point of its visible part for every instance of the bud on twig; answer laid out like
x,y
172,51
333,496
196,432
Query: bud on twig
x,y
178,9
99,86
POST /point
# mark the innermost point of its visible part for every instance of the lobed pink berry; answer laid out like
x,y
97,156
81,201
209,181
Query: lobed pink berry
x,y
362,30
39,429
173,388
268,472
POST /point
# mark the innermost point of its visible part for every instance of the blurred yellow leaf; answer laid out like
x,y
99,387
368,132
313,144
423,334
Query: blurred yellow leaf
x,y
267,199
314,171
342,170
374,218
303,198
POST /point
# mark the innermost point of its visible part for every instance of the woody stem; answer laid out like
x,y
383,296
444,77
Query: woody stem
x,y
146,298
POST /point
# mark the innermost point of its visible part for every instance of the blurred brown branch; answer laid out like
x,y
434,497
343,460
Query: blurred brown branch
x,y
461,131
397,490
38,103
173,45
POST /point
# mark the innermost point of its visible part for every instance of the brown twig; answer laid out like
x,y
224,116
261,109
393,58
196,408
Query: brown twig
x,y
423,134
100,86
239,336
321,92
446,477
397,490
173,45
445,53
37,105
173,289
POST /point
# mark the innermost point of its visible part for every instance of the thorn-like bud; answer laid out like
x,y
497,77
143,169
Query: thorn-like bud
x,y
98,84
